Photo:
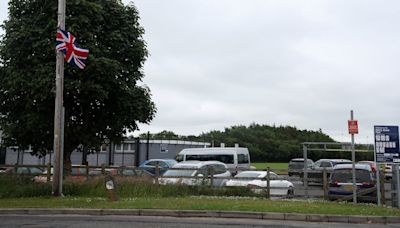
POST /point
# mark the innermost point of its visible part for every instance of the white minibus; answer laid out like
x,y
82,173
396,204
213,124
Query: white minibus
x,y
235,158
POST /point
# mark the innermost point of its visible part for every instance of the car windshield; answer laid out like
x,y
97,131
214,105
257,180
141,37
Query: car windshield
x,y
179,173
296,165
345,176
245,174
170,162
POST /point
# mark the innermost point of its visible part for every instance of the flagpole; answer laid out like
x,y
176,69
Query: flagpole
x,y
58,122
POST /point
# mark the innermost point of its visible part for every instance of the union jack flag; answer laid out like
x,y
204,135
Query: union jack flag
x,y
66,43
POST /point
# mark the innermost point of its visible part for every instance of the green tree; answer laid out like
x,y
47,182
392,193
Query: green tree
x,y
103,101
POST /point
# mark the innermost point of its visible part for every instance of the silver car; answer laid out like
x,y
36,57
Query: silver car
x,y
182,172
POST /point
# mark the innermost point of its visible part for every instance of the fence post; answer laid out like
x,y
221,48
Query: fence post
x,y
103,169
87,171
48,171
268,183
382,185
325,184
157,173
211,172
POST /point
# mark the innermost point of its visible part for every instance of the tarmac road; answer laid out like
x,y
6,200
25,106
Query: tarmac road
x,y
72,221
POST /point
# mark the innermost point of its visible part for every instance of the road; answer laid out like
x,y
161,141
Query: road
x,y
72,221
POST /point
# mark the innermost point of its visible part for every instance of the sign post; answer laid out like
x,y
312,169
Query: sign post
x,y
387,150
353,129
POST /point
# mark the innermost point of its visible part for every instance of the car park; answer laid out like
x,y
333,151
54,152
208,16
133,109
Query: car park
x,y
341,182
163,164
196,173
296,166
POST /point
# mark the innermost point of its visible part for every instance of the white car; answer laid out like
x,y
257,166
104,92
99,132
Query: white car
x,y
278,186
181,173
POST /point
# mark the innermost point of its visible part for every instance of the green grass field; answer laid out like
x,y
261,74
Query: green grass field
x,y
272,165
203,203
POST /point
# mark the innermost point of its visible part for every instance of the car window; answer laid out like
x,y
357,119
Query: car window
x,y
179,158
326,164
243,159
162,164
346,176
249,174
179,173
34,170
219,169
151,163
22,170
273,176
225,158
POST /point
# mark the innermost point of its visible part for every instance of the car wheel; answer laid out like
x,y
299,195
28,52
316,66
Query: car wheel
x,y
290,193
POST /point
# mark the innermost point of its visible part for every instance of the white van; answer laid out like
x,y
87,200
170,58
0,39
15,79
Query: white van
x,y
234,157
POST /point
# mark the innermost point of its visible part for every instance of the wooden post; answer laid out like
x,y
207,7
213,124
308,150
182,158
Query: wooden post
x,y
325,184
157,173
87,171
48,171
211,172
103,169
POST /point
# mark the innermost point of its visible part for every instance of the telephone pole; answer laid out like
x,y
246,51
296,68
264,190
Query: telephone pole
x,y
58,121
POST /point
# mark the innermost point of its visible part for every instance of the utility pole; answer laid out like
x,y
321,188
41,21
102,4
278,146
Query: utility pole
x,y
58,122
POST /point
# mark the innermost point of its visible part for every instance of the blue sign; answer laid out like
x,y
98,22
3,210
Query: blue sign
x,y
386,144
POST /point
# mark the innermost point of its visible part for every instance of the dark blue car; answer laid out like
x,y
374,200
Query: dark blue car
x,y
163,164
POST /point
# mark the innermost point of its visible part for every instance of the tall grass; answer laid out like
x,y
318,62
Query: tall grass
x,y
15,186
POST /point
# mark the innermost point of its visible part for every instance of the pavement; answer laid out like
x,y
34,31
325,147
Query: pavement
x,y
206,214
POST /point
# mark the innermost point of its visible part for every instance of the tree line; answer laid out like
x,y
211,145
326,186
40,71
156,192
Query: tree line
x,y
267,143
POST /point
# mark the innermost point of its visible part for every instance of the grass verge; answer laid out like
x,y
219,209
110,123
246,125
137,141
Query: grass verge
x,y
272,165
204,203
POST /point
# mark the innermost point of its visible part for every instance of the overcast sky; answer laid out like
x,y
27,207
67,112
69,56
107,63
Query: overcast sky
x,y
214,64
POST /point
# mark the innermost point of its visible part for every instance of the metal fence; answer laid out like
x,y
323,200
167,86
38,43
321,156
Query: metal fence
x,y
304,186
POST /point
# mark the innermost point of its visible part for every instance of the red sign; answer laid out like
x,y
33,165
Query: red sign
x,y
353,126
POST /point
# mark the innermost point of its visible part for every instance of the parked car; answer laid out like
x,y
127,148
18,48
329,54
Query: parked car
x,y
163,164
98,171
181,173
3,169
278,186
133,171
296,166
252,179
370,163
316,173
341,182
43,177
24,170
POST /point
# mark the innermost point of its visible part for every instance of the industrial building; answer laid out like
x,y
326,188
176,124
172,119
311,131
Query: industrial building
x,y
128,153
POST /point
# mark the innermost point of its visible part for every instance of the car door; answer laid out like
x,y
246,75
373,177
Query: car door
x,y
220,171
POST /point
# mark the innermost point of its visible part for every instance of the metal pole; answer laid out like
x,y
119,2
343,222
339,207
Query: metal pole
x,y
353,159
396,166
378,185
58,106
305,174
378,181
